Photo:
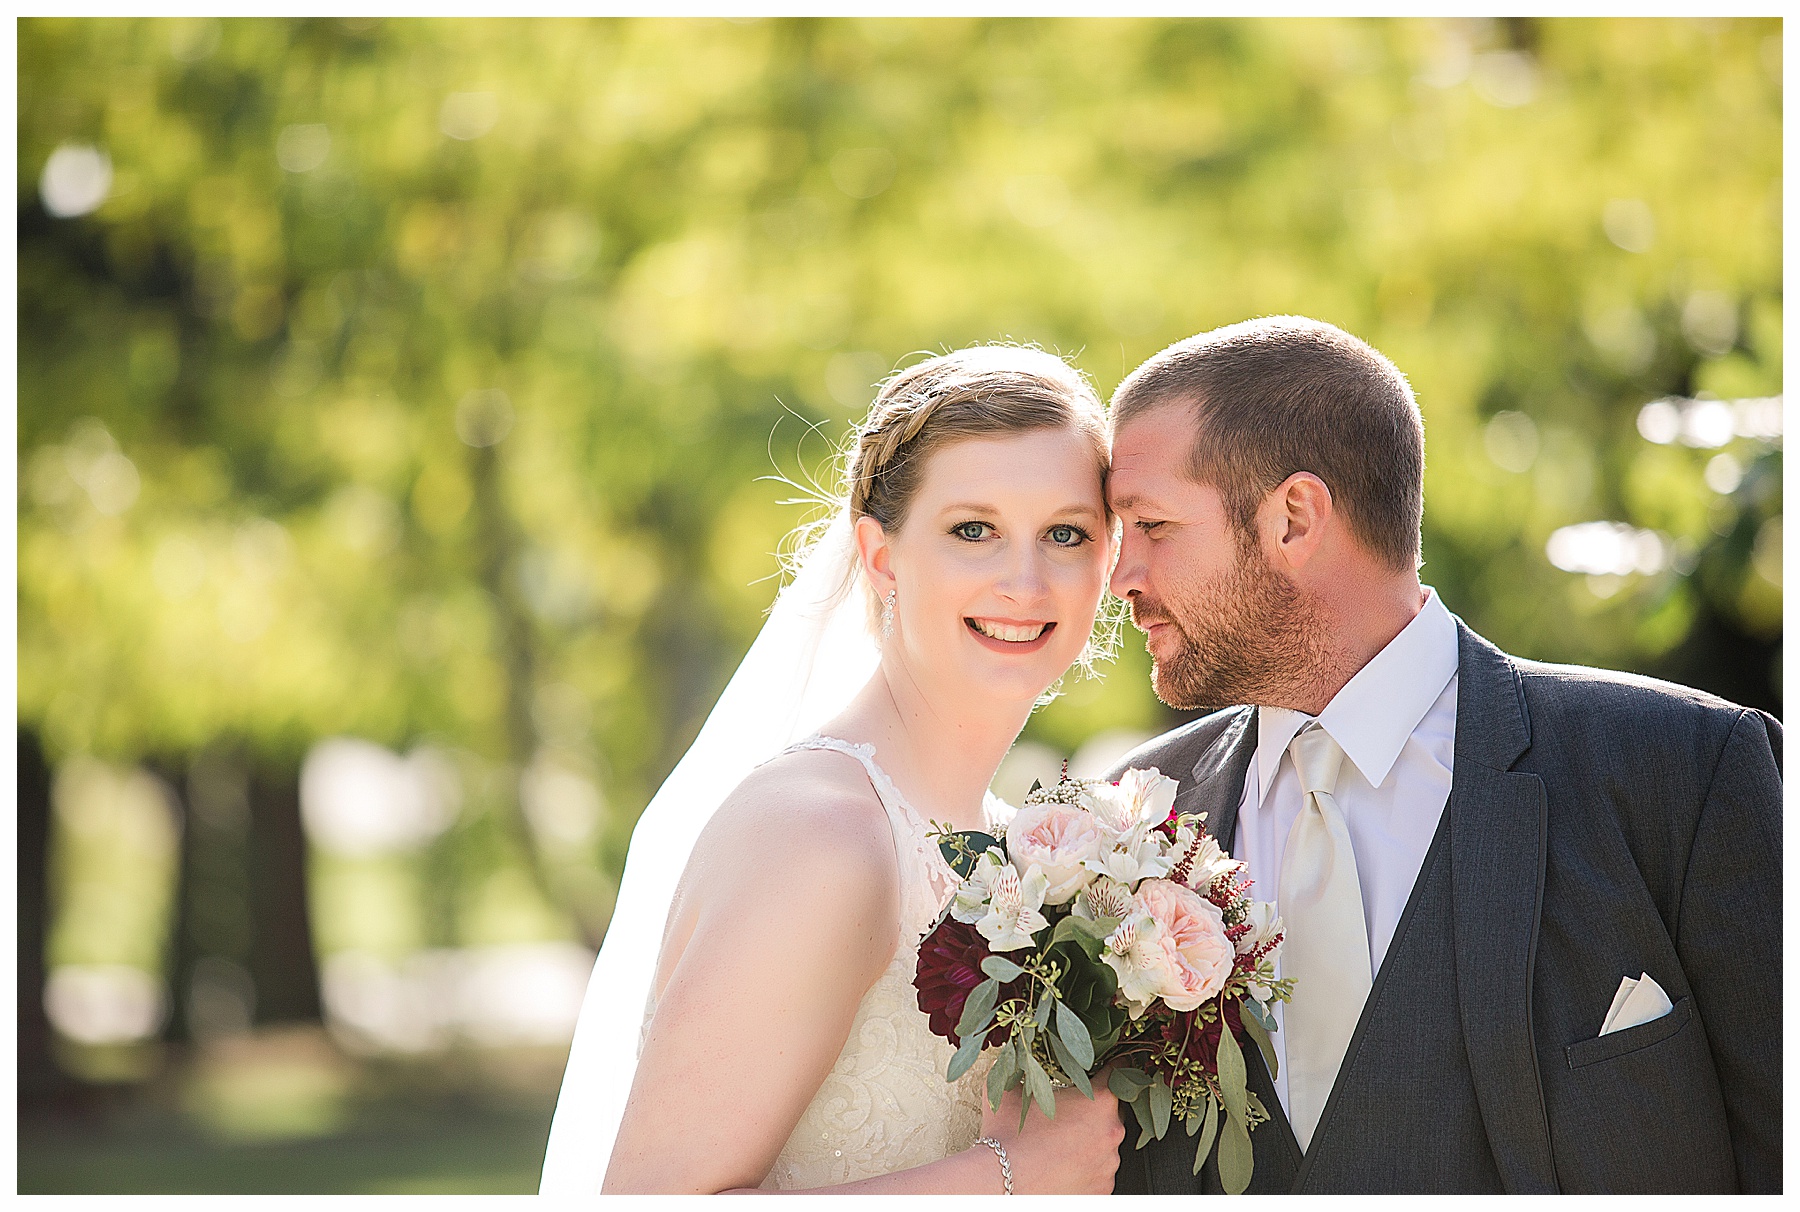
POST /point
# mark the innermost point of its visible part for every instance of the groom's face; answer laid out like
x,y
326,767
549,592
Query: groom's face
x,y
1221,624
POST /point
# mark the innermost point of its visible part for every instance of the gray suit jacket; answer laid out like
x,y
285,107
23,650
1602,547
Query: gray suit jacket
x,y
1599,825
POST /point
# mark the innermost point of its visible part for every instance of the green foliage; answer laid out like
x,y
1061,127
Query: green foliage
x,y
1258,1024
1085,988
962,847
250,379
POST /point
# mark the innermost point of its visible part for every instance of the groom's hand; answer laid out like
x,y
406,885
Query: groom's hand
x,y
1075,1153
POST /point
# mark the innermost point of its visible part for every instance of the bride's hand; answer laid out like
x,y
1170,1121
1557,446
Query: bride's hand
x,y
1072,1154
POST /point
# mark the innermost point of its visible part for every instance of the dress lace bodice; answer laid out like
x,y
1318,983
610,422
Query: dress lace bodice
x,y
885,1105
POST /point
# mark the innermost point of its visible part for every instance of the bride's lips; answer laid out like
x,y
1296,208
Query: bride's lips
x,y
1013,647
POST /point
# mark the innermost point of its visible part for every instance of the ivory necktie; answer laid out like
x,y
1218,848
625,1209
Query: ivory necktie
x,y
1327,946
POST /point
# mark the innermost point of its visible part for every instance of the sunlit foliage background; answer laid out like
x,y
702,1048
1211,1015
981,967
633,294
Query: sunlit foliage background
x,y
411,381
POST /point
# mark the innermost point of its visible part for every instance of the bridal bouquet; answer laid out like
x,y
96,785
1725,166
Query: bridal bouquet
x,y
1104,928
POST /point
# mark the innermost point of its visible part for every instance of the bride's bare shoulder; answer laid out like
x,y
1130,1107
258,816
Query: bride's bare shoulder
x,y
807,807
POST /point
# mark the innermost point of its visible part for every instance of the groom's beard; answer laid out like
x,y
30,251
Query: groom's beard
x,y
1250,636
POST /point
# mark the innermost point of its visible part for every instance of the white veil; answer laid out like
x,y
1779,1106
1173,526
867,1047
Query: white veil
x,y
810,659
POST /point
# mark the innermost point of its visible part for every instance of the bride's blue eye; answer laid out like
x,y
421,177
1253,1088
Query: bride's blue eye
x,y
971,531
1068,536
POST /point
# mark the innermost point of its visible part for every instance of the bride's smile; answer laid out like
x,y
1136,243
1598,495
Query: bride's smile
x,y
1016,636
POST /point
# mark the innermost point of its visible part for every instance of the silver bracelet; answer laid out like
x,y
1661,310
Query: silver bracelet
x,y
999,1152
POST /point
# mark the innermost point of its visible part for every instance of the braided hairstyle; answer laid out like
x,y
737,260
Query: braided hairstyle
x,y
982,391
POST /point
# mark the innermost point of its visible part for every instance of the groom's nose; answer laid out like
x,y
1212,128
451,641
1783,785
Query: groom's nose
x,y
1128,576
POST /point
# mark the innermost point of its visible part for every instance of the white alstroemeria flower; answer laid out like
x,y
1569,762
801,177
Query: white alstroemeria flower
x,y
975,892
1264,925
1103,898
1208,862
1014,903
1137,956
1132,848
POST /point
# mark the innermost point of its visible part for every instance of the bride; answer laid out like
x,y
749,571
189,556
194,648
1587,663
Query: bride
x,y
778,1043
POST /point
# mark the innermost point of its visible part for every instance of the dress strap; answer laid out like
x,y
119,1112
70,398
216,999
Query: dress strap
x,y
865,753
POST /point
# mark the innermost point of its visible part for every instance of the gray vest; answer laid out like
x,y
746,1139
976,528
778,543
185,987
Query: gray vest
x,y
1408,1048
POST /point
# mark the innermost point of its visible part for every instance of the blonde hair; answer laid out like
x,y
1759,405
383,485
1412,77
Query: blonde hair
x,y
976,392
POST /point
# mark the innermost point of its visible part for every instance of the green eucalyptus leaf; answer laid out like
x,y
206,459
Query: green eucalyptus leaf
x,y
1232,1077
1253,1027
1208,1130
1236,1161
965,1056
1255,1010
996,1079
1046,1003
1071,1068
978,1011
1084,929
1001,968
1162,1102
1074,1035
1127,1084
1141,1109
1037,1084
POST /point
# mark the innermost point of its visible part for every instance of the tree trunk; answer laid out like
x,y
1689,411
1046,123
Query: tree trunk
x,y
42,1083
242,947
282,961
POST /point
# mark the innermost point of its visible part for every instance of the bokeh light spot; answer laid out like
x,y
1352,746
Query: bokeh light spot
x,y
75,180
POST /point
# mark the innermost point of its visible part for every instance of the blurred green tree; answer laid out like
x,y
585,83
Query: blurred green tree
x,y
411,379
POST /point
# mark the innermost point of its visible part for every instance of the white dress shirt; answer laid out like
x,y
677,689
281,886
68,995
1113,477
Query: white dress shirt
x,y
1396,723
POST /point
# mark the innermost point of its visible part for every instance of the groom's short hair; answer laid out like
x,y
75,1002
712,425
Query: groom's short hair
x,y
1284,394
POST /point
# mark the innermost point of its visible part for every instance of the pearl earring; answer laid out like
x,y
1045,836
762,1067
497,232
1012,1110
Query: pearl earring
x,y
887,614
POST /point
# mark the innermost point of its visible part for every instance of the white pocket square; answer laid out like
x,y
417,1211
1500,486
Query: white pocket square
x,y
1637,1001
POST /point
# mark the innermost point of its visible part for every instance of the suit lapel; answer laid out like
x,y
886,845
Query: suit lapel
x,y
1216,783
1217,788
1497,819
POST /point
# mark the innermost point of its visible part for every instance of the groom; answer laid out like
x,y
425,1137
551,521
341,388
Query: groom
x,y
1475,856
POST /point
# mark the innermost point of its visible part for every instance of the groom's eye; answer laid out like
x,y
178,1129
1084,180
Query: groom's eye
x,y
1147,526
972,531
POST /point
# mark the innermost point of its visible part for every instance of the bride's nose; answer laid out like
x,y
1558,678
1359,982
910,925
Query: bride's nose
x,y
1023,580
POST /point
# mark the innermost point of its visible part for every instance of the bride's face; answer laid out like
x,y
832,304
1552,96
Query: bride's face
x,y
999,565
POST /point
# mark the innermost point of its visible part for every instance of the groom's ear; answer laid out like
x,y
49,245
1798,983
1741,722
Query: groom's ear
x,y
874,554
1295,517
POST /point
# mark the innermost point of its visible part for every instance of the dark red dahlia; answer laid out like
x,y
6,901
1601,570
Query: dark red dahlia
x,y
949,967
1203,1038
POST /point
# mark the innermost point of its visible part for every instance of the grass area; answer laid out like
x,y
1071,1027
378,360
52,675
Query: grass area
x,y
485,1154
219,1125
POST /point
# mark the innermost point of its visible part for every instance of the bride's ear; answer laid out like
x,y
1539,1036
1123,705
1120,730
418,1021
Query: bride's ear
x,y
874,555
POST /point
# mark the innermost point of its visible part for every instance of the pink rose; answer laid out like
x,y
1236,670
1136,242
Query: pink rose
x,y
1196,955
1057,839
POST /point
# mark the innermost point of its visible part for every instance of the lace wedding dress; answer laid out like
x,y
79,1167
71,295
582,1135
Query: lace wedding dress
x,y
885,1105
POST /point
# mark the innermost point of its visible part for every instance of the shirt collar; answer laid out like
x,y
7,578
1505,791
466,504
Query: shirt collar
x,y
1378,709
